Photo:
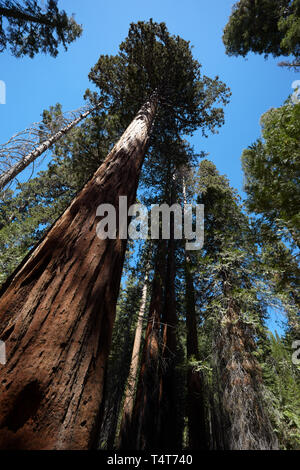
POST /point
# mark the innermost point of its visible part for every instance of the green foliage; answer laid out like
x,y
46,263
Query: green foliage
x,y
229,262
272,170
282,394
28,30
264,27
151,60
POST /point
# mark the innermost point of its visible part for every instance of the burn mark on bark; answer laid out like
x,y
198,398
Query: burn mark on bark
x,y
37,272
25,406
4,337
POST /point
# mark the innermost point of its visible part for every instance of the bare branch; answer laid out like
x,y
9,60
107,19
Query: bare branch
x,y
26,146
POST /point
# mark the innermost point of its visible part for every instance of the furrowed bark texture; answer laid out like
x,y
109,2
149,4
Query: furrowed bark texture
x,y
57,313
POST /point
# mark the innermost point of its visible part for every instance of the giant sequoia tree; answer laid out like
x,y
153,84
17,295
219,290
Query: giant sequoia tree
x,y
57,312
58,307
27,29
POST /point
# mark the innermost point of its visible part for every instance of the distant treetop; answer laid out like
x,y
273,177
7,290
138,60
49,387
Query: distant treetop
x,y
29,28
264,27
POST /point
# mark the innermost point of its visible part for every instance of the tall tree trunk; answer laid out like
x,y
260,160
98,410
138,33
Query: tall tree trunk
x,y
241,382
143,432
8,175
170,434
197,420
132,377
197,423
57,312
170,429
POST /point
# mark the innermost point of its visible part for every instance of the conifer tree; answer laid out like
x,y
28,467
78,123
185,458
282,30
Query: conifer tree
x,y
272,171
118,368
26,159
27,29
233,309
264,27
196,414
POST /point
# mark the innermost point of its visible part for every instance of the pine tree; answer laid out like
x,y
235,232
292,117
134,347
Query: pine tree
x,y
30,30
196,414
120,356
272,171
264,27
282,379
227,264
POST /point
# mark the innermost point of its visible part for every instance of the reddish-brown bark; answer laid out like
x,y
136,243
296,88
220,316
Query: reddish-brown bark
x,y
57,313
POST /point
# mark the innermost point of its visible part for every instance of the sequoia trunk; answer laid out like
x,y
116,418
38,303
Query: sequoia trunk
x,y
57,312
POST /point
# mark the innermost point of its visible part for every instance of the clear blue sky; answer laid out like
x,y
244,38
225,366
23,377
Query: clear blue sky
x,y
256,84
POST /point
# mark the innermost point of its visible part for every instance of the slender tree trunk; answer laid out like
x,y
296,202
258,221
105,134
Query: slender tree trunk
x,y
114,393
8,175
57,312
143,432
132,377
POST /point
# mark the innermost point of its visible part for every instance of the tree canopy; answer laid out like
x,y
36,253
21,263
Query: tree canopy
x,y
28,30
151,60
264,27
272,170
